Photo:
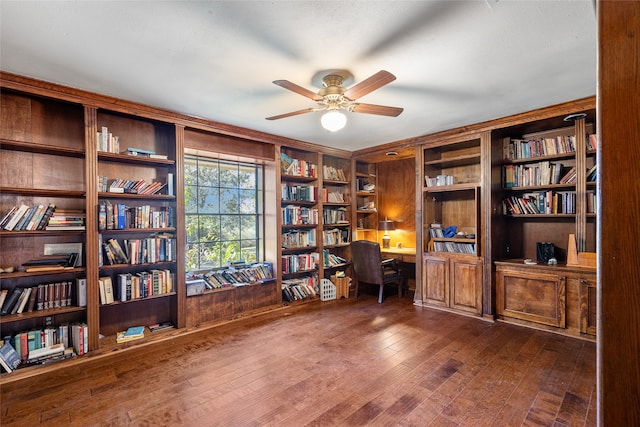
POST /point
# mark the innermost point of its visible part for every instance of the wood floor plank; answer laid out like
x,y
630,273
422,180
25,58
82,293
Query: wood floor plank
x,y
335,363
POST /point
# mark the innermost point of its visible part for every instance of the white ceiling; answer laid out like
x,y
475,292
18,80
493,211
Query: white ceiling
x,y
456,62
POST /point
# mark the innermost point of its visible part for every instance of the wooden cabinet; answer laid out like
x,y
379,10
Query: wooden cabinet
x,y
453,282
556,298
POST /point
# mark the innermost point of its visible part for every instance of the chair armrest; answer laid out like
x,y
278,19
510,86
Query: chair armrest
x,y
391,263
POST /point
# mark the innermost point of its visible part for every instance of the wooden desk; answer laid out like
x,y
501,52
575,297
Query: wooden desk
x,y
407,257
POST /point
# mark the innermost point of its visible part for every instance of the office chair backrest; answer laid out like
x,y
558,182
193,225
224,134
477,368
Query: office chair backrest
x,y
367,262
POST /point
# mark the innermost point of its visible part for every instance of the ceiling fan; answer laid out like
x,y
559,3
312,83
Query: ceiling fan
x,y
334,97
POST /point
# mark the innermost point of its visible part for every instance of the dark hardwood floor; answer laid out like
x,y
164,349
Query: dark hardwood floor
x,y
348,362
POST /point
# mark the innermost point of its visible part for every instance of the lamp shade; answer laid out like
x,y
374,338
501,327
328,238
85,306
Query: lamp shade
x,y
333,120
386,225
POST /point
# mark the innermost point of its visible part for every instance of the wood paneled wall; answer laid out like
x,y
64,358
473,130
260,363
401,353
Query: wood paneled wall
x,y
396,199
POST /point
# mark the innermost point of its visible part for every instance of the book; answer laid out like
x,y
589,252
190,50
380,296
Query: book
x,y
136,151
9,358
160,326
40,353
133,333
3,296
24,299
81,292
17,216
32,299
11,301
5,220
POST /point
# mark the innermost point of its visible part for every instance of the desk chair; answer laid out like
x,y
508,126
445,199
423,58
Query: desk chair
x,y
370,268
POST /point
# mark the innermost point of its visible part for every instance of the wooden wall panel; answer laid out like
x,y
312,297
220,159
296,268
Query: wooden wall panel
x,y
619,245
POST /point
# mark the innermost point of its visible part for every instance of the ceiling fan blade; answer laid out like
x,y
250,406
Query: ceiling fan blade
x,y
298,89
370,84
293,113
380,110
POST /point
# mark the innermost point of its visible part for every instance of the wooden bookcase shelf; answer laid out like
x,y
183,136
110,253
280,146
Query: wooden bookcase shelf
x,y
29,147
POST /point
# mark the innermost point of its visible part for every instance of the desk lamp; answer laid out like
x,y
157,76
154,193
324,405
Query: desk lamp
x,y
386,225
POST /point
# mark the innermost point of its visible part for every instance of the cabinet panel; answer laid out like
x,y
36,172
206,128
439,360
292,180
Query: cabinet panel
x,y
466,285
588,309
436,281
534,297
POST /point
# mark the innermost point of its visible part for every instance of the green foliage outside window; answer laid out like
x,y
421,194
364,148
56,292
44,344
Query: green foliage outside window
x,y
223,212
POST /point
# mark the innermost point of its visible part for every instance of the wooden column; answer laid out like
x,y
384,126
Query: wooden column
x,y
618,101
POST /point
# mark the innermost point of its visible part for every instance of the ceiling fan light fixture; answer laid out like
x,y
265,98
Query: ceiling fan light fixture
x,y
333,120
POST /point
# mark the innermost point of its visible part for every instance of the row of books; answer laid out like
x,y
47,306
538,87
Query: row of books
x,y
158,248
332,196
41,346
527,148
296,215
107,141
42,217
119,216
132,286
44,296
300,288
439,180
336,236
238,275
332,260
299,193
298,239
129,186
224,278
455,247
542,202
335,216
300,262
332,173
539,174
297,167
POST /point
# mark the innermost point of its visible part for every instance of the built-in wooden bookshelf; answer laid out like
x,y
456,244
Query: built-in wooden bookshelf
x,y
138,222
336,215
300,184
366,191
43,165
543,176
452,261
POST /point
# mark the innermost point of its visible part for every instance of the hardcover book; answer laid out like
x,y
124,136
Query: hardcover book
x,y
9,358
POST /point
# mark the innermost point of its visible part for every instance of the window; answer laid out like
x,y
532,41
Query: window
x,y
223,212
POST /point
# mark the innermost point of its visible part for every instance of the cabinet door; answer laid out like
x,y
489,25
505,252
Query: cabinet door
x,y
466,285
436,281
535,297
587,306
